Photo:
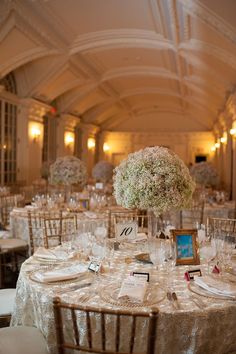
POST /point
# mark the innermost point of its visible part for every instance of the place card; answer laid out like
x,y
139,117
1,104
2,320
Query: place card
x,y
190,274
127,230
99,185
133,288
94,266
141,275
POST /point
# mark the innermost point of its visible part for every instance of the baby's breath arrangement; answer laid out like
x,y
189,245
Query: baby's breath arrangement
x,y
205,174
154,178
103,171
68,170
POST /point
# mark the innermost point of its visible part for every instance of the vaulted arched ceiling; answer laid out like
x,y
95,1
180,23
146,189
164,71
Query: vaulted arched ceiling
x,y
159,65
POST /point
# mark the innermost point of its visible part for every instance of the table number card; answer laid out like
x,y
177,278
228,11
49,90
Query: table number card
x,y
99,185
127,229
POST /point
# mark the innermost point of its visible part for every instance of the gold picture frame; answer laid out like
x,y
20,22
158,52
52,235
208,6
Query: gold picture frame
x,y
187,252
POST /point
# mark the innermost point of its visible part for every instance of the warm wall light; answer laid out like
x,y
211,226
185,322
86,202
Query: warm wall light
x,y
35,133
232,131
217,145
106,147
69,139
223,139
213,148
91,143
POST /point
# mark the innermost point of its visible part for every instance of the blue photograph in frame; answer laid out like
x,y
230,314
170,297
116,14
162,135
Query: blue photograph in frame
x,y
186,246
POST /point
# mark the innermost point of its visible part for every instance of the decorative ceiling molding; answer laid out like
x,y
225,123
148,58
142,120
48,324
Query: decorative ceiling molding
x,y
204,14
199,46
119,38
138,71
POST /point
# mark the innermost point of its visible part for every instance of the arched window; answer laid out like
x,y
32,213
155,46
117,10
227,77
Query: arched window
x,y
8,133
9,83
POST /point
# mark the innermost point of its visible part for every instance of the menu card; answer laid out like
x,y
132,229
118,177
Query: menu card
x,y
133,289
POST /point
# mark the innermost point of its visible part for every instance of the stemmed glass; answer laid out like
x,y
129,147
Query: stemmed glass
x,y
157,251
208,251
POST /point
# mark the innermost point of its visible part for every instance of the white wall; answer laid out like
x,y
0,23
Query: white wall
x,y
186,145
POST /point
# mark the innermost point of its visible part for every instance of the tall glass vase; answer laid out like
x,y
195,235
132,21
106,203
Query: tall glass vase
x,y
152,224
67,193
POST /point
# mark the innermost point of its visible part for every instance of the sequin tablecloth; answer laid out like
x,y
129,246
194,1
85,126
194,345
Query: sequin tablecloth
x,y
190,329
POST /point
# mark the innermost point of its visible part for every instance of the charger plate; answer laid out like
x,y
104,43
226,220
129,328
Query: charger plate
x,y
194,288
153,296
72,279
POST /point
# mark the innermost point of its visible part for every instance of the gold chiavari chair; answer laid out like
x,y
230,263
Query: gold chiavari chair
x,y
58,229
219,228
7,203
124,327
49,229
190,217
11,249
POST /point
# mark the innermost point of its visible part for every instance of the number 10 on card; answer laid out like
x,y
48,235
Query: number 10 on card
x,y
126,229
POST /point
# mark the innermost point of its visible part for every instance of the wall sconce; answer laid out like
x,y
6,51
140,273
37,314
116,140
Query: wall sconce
x,y
35,133
69,139
223,139
213,148
91,143
217,145
106,147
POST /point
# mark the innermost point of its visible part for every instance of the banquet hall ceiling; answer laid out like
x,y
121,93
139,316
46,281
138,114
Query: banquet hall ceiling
x,y
124,65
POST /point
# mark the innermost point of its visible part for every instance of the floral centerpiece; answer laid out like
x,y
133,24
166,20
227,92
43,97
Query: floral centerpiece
x,y
205,174
154,178
68,170
103,171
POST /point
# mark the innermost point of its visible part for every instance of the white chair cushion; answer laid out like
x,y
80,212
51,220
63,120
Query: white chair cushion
x,y
12,243
7,299
22,340
5,234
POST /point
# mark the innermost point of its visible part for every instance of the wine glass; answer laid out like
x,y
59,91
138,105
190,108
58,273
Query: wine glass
x,y
157,251
208,251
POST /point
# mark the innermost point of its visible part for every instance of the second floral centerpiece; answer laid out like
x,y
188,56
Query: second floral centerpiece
x,y
154,178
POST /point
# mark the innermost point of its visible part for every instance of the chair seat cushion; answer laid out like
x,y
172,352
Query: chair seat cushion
x,y
12,244
22,340
7,299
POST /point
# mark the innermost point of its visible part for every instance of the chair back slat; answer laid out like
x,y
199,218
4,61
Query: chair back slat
x,y
75,327
103,331
89,331
122,328
132,336
117,338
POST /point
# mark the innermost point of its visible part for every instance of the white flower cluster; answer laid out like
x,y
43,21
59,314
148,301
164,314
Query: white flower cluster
x,y
205,174
68,170
153,178
103,171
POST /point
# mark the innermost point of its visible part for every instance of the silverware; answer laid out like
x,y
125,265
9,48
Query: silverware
x,y
172,297
175,301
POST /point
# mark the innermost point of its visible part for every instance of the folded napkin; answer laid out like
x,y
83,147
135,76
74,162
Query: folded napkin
x,y
60,274
90,214
216,286
53,253
133,289
141,236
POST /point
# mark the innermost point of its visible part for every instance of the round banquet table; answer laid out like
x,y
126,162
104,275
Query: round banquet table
x,y
189,329
86,221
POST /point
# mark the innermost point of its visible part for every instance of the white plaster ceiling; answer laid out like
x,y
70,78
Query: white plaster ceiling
x,y
124,65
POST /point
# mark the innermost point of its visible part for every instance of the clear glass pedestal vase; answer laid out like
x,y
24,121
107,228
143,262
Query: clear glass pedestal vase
x,y
152,224
67,193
